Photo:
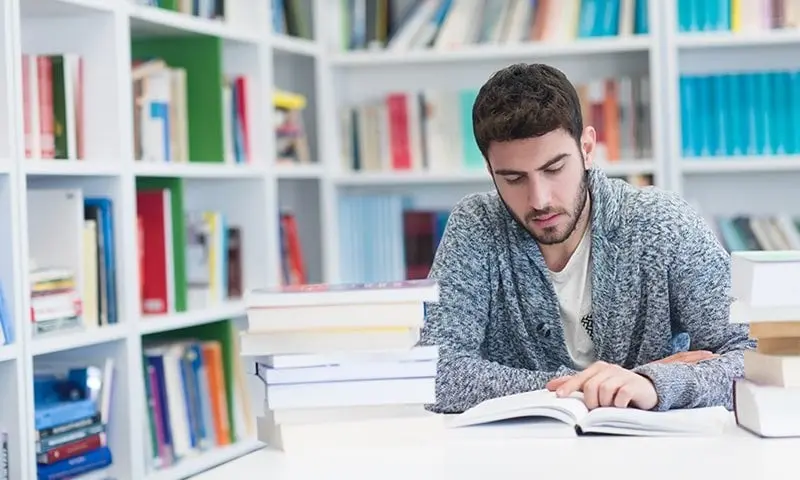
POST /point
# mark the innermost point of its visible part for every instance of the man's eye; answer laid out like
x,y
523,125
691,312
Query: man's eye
x,y
554,169
515,179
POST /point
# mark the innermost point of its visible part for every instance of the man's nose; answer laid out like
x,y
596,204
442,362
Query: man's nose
x,y
538,195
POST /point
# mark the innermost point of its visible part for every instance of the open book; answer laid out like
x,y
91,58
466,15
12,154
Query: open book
x,y
541,409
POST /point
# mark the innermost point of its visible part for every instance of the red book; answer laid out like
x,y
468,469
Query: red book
x,y
154,209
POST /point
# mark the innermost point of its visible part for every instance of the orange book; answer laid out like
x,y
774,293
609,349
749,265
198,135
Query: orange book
x,y
212,357
611,120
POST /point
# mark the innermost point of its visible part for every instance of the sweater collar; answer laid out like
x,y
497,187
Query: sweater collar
x,y
606,197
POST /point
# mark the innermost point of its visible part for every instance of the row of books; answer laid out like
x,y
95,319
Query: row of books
x,y
740,114
196,401
72,260
339,365
450,24
196,395
738,16
54,111
162,118
432,130
189,258
210,9
289,18
72,402
758,232
386,236
53,106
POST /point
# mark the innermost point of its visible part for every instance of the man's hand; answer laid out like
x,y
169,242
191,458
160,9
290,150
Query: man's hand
x,y
607,385
692,356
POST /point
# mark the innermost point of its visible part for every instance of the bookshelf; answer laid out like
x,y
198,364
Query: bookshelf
x,y
739,164
223,164
75,152
365,76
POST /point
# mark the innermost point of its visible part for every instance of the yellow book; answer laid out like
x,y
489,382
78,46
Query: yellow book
x,y
288,100
736,15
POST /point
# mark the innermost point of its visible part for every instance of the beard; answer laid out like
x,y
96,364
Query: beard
x,y
552,235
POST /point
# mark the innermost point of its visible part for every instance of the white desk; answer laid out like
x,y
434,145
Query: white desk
x,y
736,455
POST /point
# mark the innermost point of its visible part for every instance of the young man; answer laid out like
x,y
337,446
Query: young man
x,y
567,280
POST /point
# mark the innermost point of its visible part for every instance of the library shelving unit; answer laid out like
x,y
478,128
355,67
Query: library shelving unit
x,y
737,66
91,181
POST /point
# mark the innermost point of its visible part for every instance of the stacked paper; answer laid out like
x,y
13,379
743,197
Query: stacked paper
x,y
339,364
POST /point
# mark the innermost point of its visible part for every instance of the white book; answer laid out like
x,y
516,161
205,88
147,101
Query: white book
x,y
767,411
542,409
347,372
371,356
766,279
283,319
423,429
330,341
351,394
426,290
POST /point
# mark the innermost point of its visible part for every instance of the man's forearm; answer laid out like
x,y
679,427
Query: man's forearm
x,y
463,382
705,384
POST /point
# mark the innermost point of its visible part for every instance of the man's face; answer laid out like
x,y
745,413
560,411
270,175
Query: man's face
x,y
542,181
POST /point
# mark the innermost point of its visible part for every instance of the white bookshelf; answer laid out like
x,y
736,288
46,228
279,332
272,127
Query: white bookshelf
x,y
102,31
251,195
746,185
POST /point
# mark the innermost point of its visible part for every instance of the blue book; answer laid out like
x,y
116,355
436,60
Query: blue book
x,y
6,319
641,24
794,111
687,116
737,139
102,209
51,415
75,466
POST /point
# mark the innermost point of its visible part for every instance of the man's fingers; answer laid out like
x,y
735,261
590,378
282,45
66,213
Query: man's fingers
x,y
553,384
607,391
591,387
692,356
576,381
623,396
697,356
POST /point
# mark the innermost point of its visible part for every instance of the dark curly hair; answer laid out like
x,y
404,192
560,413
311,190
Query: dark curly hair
x,y
525,101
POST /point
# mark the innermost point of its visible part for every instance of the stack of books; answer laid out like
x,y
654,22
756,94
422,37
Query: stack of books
x,y
765,287
73,404
339,365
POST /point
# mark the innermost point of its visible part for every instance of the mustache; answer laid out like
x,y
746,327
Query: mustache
x,y
537,214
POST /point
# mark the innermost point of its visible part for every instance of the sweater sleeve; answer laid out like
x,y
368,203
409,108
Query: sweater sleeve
x,y
699,290
457,322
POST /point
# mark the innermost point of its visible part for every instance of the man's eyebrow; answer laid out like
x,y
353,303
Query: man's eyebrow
x,y
547,165
553,160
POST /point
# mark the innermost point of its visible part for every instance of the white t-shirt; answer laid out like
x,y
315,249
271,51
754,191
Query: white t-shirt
x,y
573,285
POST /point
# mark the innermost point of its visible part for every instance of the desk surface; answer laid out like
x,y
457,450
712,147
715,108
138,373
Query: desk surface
x,y
735,455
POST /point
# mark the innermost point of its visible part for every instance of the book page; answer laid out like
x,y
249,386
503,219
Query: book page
x,y
539,403
632,421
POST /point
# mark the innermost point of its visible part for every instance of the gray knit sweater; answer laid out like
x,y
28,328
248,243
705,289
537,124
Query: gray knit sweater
x,y
657,269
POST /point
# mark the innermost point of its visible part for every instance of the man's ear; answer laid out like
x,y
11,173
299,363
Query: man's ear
x,y
588,144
